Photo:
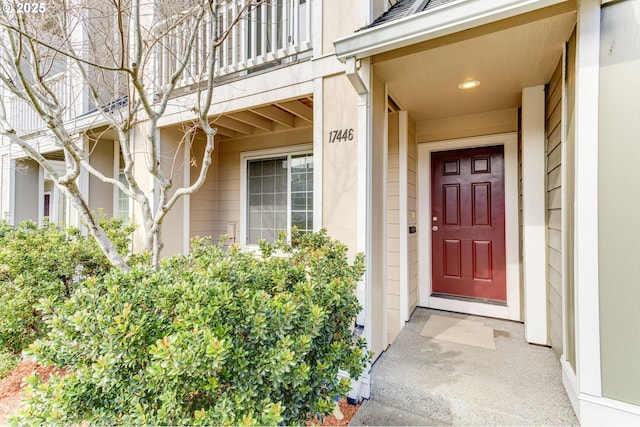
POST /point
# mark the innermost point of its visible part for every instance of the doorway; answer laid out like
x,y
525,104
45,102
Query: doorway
x,y
481,273
467,208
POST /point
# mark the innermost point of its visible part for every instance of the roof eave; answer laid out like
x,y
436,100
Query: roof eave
x,y
447,19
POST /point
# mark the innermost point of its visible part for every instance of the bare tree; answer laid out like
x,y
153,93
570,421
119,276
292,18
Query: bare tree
x,y
111,49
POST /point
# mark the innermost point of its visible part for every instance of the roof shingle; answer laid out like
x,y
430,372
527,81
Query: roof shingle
x,y
404,8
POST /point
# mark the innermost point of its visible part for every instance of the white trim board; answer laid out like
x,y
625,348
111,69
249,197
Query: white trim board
x,y
318,152
534,214
595,410
512,309
441,21
587,304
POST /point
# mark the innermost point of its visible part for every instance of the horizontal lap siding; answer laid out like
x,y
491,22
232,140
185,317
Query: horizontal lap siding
x,y
393,230
204,202
412,204
554,208
228,172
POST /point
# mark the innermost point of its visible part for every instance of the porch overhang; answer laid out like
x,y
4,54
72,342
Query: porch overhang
x,y
440,21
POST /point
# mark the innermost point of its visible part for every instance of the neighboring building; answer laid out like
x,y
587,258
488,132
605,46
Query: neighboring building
x,y
514,199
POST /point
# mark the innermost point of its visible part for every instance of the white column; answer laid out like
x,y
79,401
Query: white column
x,y
40,195
586,199
534,215
364,214
186,199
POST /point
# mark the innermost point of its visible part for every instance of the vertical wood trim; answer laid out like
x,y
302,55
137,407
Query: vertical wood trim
x,y
365,134
372,176
318,151
569,207
84,189
12,189
586,199
534,215
316,28
40,195
116,175
186,201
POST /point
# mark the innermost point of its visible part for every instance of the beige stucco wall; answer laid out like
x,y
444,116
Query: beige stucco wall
x,y
619,200
340,18
27,188
101,193
173,166
339,162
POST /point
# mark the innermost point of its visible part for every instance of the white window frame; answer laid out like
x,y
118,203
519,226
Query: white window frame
x,y
245,157
51,215
116,190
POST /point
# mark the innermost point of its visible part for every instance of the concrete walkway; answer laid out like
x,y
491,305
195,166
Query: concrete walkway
x,y
424,381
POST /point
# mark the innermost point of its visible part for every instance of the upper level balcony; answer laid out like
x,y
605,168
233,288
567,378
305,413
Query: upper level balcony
x,y
26,120
273,33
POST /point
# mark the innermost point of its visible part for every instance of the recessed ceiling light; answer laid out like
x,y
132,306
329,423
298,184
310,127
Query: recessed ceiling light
x,y
469,84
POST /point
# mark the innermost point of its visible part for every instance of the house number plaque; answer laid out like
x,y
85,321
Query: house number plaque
x,y
341,135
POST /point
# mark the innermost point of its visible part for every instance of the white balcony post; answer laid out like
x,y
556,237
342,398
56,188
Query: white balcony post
x,y
223,53
267,33
296,24
274,28
264,25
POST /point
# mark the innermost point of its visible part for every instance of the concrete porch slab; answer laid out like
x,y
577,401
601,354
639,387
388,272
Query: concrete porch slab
x,y
422,381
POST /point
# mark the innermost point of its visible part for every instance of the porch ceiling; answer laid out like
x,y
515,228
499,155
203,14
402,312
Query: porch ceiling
x,y
279,116
425,82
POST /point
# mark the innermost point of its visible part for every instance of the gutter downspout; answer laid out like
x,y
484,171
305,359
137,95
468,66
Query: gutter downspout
x,y
351,70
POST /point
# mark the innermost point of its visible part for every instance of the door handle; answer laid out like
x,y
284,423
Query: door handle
x,y
434,228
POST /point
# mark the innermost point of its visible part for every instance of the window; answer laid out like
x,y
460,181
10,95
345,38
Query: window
x,y
278,194
123,200
47,204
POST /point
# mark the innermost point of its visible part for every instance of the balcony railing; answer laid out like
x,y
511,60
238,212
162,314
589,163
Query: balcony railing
x,y
274,32
25,119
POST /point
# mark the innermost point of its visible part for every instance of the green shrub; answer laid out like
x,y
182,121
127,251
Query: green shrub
x,y
8,361
211,338
44,262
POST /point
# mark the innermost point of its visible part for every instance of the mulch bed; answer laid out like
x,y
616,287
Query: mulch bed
x,y
347,410
11,386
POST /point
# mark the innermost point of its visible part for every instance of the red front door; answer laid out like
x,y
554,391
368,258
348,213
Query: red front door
x,y
468,245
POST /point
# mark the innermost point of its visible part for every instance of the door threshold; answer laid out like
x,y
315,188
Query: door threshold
x,y
469,299
487,308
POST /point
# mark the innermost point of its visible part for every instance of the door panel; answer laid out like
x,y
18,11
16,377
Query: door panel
x,y
468,238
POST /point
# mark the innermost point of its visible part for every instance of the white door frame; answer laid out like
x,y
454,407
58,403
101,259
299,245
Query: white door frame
x,y
512,309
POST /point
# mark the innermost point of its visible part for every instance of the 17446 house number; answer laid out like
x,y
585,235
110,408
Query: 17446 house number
x,y
340,135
